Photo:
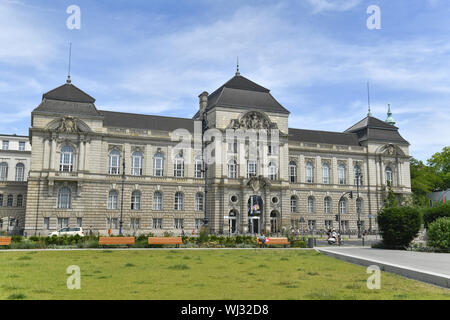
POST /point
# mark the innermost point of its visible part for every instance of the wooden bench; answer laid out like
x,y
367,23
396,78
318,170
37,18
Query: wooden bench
x,y
166,240
272,241
5,241
105,241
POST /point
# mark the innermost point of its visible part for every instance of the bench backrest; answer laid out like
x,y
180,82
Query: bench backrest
x,y
115,240
165,240
278,241
5,241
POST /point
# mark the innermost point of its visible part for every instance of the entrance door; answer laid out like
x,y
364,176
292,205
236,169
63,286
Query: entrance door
x,y
253,225
232,222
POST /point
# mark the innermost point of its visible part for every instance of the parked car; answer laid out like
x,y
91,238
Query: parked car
x,y
68,232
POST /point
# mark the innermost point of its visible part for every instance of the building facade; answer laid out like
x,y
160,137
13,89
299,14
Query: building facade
x,y
15,156
269,177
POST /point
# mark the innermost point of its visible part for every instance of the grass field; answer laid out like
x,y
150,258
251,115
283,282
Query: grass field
x,y
191,275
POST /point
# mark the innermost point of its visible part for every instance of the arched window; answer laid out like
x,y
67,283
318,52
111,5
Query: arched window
x,y
198,168
157,201
136,163
359,206
341,174
343,206
158,164
179,200
19,200
294,206
3,171
389,176
178,166
232,169
20,172
10,200
311,204
273,171
326,173
136,200
114,162
309,172
358,175
327,204
292,172
66,159
64,198
251,168
113,197
199,202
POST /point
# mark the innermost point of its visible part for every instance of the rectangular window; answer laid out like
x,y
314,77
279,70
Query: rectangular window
x,y
12,222
178,223
328,224
157,223
135,223
158,166
1,200
312,225
21,145
344,225
232,147
47,223
5,145
80,222
63,222
272,150
179,168
251,168
198,223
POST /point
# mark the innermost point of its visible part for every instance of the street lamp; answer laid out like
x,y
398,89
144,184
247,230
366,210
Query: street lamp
x,y
350,193
205,168
121,202
358,179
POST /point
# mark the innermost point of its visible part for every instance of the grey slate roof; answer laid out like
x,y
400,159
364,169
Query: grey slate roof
x,y
68,92
326,137
68,100
240,92
143,121
374,129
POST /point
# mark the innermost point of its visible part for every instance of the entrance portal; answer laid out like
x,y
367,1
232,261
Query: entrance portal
x,y
255,210
232,222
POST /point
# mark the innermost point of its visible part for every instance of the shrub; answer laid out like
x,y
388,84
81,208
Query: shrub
x,y
399,226
434,213
16,239
439,234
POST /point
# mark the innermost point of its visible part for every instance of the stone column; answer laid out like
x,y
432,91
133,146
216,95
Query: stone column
x,y
267,200
45,162
53,154
81,156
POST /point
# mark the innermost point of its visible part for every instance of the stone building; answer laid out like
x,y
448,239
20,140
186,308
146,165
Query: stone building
x,y
294,178
15,155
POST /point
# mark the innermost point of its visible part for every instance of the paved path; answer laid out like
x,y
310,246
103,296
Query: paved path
x,y
428,267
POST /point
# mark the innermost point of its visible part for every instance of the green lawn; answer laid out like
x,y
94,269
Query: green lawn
x,y
190,275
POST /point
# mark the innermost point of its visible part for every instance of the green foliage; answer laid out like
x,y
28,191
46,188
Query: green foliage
x,y
434,213
439,234
16,239
391,201
399,226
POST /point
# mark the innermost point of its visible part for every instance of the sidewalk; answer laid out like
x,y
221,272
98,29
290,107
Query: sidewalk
x,y
432,268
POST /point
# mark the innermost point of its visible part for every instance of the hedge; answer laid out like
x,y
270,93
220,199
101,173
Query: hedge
x,y
434,213
399,226
439,234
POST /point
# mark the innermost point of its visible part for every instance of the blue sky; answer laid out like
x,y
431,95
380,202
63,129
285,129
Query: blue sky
x,y
156,57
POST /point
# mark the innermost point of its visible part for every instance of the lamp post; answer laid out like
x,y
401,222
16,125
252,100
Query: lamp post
x,y
350,193
121,201
358,179
205,169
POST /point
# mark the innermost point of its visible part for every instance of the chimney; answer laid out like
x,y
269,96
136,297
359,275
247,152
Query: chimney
x,y
203,101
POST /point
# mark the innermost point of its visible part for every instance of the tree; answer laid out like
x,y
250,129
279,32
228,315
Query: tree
x,y
440,164
424,180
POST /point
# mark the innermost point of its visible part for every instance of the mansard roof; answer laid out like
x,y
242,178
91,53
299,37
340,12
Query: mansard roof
x,y
325,137
373,129
143,121
68,92
240,92
67,100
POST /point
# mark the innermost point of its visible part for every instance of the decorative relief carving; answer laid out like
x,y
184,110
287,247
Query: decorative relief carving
x,y
257,183
252,120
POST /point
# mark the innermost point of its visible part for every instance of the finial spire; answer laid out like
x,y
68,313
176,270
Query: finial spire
x,y
70,60
237,67
369,113
390,120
